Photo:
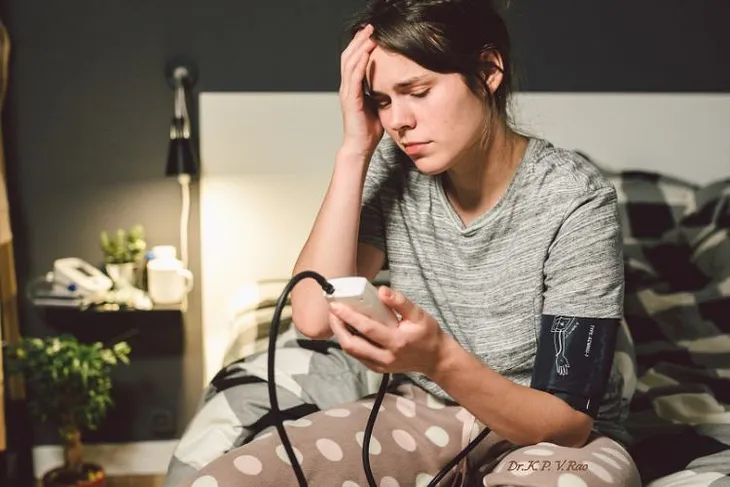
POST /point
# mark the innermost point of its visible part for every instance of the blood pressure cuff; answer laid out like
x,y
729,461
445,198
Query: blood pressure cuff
x,y
574,358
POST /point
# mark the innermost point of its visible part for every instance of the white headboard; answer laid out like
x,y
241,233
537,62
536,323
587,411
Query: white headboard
x,y
267,157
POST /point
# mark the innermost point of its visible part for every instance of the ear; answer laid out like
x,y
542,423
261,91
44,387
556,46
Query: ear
x,y
492,68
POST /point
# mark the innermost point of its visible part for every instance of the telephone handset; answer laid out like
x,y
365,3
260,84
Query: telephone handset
x,y
81,277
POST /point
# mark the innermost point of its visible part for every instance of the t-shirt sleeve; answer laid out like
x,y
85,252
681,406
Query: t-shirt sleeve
x,y
372,222
584,273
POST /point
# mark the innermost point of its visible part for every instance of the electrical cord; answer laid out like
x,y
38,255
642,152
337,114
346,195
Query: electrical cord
x,y
273,334
369,430
276,411
184,180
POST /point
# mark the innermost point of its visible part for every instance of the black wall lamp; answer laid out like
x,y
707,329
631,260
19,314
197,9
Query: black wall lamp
x,y
182,156
183,160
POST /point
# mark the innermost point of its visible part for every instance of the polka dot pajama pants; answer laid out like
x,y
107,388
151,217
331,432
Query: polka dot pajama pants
x,y
415,435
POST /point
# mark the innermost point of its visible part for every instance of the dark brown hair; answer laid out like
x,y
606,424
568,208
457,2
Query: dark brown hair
x,y
445,36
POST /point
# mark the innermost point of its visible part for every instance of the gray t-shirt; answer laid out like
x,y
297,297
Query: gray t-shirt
x,y
551,245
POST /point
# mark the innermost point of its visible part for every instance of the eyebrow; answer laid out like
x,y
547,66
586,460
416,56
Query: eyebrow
x,y
402,85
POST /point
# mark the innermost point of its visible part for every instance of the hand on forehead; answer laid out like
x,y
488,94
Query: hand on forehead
x,y
389,71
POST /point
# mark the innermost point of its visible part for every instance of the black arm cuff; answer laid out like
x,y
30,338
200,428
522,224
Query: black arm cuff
x,y
574,359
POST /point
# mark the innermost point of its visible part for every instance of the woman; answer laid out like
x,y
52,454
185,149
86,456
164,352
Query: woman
x,y
506,271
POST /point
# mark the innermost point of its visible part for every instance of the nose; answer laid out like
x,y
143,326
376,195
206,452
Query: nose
x,y
400,117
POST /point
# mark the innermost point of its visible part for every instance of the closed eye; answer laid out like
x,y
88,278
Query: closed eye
x,y
383,102
380,102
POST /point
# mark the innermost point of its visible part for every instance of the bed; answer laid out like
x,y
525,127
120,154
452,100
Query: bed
x,y
675,219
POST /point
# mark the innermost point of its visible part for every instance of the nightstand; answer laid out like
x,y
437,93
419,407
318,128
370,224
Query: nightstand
x,y
148,392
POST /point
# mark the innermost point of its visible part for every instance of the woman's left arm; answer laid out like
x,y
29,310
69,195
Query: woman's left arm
x,y
583,280
520,414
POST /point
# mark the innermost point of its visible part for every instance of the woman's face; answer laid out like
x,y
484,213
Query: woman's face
x,y
435,118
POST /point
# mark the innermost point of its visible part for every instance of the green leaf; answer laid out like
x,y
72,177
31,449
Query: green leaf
x,y
68,383
124,246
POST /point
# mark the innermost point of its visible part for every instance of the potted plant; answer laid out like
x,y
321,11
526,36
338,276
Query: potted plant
x,y
68,385
122,254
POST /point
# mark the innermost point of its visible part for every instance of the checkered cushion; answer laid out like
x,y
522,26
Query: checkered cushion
x,y
251,312
651,208
675,237
677,307
706,230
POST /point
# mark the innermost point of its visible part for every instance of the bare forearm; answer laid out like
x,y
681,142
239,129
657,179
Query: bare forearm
x,y
518,413
331,248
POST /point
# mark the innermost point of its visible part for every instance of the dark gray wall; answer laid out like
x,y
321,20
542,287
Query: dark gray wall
x,y
86,121
622,45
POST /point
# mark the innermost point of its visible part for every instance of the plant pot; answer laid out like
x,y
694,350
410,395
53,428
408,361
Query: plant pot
x,y
122,275
93,475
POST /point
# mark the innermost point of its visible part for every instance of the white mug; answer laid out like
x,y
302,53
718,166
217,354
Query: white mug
x,y
168,281
164,252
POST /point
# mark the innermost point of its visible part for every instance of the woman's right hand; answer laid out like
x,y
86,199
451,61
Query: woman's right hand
x,y
362,128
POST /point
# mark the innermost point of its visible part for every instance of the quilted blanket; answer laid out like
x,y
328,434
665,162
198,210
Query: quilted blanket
x,y
677,306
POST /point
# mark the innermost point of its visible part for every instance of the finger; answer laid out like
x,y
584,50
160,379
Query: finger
x,y
357,346
341,331
357,40
374,366
360,36
403,306
353,344
336,322
354,71
374,331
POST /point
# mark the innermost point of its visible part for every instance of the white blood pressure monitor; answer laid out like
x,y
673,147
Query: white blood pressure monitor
x,y
87,279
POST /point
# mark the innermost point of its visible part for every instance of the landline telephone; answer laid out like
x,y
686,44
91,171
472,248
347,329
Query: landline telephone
x,y
79,277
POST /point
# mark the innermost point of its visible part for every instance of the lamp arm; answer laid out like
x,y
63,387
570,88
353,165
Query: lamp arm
x,y
181,107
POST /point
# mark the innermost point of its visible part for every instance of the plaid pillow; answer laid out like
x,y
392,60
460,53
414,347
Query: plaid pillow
x,y
676,239
251,310
707,230
249,332
652,207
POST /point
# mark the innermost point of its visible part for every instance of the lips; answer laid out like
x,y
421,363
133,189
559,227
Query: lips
x,y
413,148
